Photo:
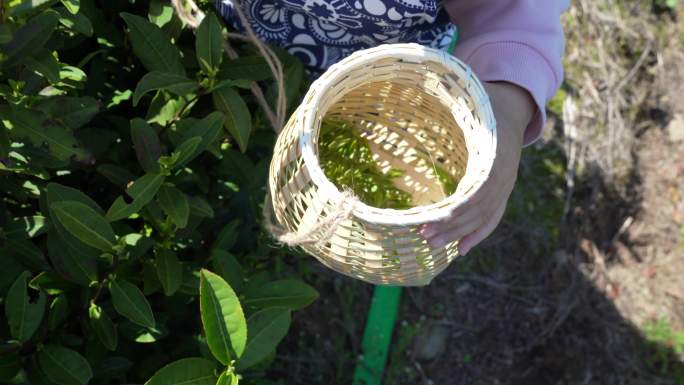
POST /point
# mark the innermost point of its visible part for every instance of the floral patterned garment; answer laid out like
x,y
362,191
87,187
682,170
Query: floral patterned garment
x,y
322,32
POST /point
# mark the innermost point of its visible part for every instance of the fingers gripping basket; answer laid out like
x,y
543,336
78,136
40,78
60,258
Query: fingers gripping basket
x,y
417,107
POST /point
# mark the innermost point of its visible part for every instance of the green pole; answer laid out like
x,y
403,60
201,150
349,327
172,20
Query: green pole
x,y
377,335
382,314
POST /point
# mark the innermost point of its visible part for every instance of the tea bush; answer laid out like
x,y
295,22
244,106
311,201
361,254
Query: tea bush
x,y
132,169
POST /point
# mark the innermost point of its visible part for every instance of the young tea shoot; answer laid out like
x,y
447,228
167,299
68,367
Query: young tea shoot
x,y
347,160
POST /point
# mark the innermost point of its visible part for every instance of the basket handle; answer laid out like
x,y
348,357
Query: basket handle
x,y
317,233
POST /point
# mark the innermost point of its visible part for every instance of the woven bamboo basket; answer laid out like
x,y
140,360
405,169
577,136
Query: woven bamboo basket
x,y
417,107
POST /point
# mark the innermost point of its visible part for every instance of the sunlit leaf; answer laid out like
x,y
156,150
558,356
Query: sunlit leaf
x,y
266,329
187,371
287,293
224,323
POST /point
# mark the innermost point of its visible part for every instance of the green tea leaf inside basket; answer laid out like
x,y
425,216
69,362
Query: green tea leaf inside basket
x,y
347,161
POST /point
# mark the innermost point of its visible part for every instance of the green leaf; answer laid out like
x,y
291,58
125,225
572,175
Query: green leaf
x,y
44,64
238,120
164,109
113,368
119,97
187,371
72,112
239,83
209,44
21,228
50,283
246,67
4,140
141,334
23,316
200,207
146,145
169,270
86,224
31,37
228,378
121,210
64,366
224,323
72,5
72,73
209,129
156,80
130,302
145,187
142,191
175,205
78,22
70,262
58,313
150,279
115,174
228,267
104,328
294,77
27,254
29,124
224,378
288,293
24,8
5,34
227,237
59,193
152,47
266,329
186,151
9,366
160,13
9,273
139,248
196,139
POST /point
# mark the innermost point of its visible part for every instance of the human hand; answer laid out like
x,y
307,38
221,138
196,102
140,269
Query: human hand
x,y
473,221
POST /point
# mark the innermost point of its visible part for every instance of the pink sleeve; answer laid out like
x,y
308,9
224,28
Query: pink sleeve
x,y
518,41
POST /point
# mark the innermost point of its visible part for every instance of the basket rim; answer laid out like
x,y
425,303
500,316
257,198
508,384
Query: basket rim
x,y
386,216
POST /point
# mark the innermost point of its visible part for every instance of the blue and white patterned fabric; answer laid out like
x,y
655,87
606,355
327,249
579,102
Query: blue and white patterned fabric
x,y
322,32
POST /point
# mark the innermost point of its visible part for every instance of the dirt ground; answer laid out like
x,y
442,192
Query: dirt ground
x,y
583,281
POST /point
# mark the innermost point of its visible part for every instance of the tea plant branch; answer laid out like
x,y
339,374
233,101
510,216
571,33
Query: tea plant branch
x,y
194,17
273,62
100,286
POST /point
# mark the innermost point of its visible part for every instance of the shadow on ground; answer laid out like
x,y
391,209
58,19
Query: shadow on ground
x,y
532,306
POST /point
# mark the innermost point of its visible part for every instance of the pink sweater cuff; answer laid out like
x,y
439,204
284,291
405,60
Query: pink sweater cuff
x,y
503,61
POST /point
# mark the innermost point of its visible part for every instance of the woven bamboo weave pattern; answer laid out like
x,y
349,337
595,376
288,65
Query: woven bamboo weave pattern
x,y
419,108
